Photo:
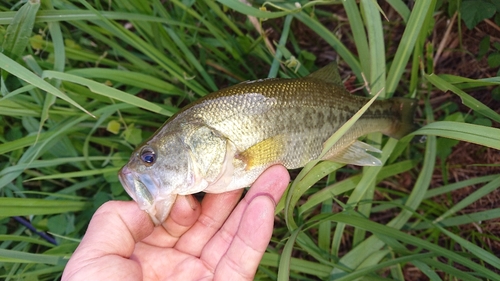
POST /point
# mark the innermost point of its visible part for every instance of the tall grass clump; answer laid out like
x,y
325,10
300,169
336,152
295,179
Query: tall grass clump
x,y
83,83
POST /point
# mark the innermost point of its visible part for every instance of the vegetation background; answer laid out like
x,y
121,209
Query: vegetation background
x,y
84,82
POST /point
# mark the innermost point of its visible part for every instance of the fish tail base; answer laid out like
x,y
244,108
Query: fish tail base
x,y
405,110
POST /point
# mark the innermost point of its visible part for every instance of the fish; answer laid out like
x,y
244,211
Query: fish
x,y
226,139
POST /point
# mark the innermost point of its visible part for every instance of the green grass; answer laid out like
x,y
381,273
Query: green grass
x,y
72,70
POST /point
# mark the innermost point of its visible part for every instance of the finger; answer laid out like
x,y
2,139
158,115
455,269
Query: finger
x,y
111,236
115,228
241,260
183,215
272,183
215,208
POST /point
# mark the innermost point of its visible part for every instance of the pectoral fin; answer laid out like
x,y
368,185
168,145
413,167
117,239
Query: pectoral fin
x,y
265,152
357,154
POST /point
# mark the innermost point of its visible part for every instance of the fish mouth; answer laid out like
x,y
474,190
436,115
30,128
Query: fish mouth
x,y
146,192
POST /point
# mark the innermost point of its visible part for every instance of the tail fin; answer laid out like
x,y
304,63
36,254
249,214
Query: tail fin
x,y
405,109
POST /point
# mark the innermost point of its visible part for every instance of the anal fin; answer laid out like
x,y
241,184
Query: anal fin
x,y
357,154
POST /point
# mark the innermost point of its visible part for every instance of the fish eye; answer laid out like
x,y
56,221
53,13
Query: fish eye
x,y
148,156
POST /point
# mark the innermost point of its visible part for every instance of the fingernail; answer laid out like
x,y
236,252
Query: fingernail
x,y
191,201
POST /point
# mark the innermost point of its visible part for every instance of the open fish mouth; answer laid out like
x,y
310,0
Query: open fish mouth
x,y
145,191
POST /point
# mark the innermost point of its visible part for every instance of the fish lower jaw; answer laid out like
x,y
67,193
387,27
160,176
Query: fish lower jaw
x,y
160,209
151,210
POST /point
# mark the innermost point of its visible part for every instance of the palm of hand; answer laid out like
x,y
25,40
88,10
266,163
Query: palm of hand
x,y
207,241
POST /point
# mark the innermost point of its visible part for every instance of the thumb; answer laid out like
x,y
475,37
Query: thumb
x,y
112,234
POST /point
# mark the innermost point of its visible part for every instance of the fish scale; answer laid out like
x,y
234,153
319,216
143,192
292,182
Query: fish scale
x,y
225,140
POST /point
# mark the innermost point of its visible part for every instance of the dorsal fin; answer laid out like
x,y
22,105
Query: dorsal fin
x,y
329,74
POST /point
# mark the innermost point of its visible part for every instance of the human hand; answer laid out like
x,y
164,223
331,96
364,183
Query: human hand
x,y
197,241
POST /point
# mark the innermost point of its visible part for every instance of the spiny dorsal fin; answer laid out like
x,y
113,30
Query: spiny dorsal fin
x,y
329,74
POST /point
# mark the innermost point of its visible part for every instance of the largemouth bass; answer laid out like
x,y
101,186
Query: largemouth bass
x,y
226,139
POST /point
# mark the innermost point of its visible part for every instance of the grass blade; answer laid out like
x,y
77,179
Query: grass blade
x,y
473,133
109,92
359,35
473,197
19,31
415,26
415,241
467,100
376,74
251,11
286,256
16,69
331,39
12,256
30,206
132,78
